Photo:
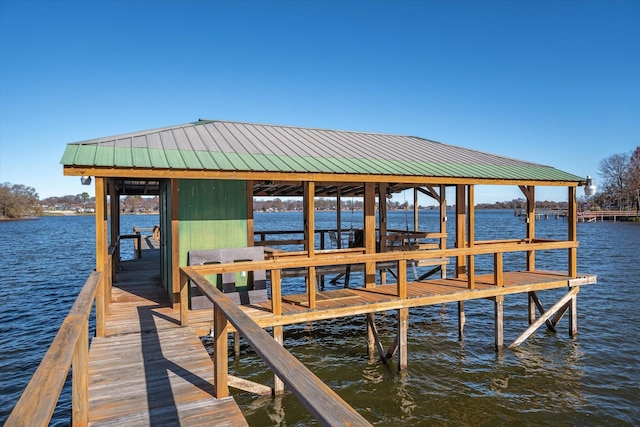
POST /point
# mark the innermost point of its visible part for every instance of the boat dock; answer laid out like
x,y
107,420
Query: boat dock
x,y
594,216
215,274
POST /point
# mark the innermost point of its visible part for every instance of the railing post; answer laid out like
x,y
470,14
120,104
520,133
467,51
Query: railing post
x,y
184,299
276,293
498,273
80,380
311,283
402,278
471,272
221,368
101,309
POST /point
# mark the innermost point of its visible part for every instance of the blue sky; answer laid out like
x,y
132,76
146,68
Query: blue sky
x,y
554,82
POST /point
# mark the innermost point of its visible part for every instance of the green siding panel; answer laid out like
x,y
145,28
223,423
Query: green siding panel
x,y
213,215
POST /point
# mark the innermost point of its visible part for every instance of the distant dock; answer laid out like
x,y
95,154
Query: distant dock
x,y
584,216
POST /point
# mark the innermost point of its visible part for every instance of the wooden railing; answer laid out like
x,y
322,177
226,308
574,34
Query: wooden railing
x,y
70,347
347,257
323,403
601,215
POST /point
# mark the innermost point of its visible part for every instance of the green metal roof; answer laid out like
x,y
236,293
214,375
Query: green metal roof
x,y
232,146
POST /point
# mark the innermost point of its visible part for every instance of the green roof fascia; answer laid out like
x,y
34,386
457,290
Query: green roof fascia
x,y
141,157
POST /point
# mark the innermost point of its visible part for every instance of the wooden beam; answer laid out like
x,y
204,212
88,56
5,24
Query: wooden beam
x,y
538,304
250,226
80,379
382,215
343,178
403,327
460,230
174,286
471,221
278,384
371,322
462,319
221,365
572,220
370,232
101,223
531,223
498,307
443,224
535,325
309,218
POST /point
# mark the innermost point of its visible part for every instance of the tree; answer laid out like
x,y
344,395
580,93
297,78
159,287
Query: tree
x,y
613,169
634,176
18,201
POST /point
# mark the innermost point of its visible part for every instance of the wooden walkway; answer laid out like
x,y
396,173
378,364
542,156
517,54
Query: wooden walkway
x,y
148,370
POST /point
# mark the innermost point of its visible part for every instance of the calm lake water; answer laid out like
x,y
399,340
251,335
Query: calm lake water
x,y
593,379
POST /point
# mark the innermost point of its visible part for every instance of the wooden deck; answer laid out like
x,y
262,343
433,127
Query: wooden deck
x,y
148,370
348,302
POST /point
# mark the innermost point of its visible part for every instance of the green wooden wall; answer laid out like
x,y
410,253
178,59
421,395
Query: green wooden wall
x,y
213,215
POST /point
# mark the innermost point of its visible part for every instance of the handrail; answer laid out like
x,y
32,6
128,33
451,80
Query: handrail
x,y
39,399
323,403
346,258
277,265
70,347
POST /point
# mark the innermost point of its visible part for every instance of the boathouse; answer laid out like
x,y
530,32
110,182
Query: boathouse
x,y
207,174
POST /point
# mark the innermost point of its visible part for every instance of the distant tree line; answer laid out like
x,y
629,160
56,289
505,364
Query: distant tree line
x,y
18,201
618,190
620,186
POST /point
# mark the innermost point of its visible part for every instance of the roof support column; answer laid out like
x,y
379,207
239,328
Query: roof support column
x,y
442,199
461,266
382,215
102,254
572,220
102,249
416,219
174,291
309,217
114,205
250,227
339,216
529,192
370,232
471,221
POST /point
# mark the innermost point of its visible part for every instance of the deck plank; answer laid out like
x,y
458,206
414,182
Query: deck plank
x,y
148,370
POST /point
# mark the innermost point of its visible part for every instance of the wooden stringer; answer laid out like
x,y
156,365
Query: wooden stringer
x,y
552,316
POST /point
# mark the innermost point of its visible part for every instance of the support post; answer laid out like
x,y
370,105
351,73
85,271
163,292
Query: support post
x,y
174,286
572,219
532,307
573,316
309,218
80,380
184,299
443,225
370,232
403,326
471,221
552,311
278,385
371,337
462,319
529,193
499,327
460,230
221,348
